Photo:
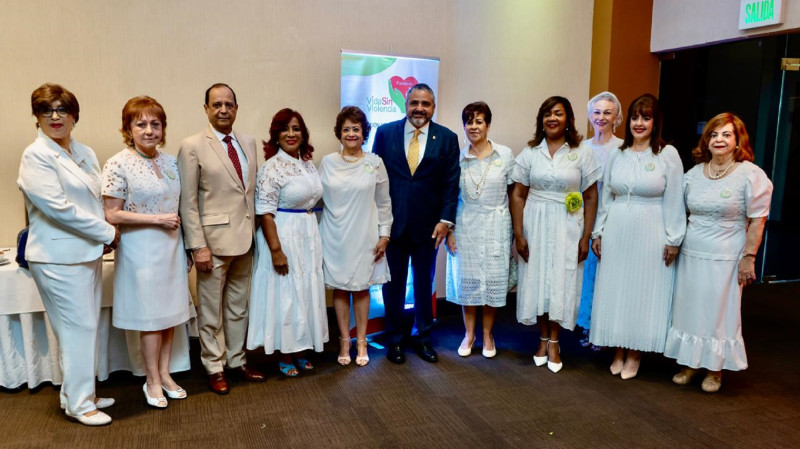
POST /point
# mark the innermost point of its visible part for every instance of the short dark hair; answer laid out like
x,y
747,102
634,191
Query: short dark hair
x,y
472,110
280,122
215,85
646,104
137,107
356,115
421,86
571,134
47,93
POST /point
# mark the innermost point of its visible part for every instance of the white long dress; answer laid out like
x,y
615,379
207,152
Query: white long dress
x,y
641,211
550,282
151,286
477,275
601,152
358,211
287,313
706,327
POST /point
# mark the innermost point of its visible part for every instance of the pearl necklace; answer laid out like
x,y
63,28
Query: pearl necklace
x,y
719,174
351,161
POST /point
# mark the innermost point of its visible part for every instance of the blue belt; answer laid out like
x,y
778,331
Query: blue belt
x,y
301,211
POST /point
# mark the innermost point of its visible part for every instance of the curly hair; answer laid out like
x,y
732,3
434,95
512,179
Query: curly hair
x,y
280,123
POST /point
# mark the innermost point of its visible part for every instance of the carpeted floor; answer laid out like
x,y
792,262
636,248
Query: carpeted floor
x,y
459,402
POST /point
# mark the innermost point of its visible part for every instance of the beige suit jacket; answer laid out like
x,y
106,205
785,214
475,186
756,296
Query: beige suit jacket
x,y
216,210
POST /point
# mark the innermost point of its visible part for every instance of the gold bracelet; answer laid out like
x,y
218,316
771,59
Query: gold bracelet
x,y
749,255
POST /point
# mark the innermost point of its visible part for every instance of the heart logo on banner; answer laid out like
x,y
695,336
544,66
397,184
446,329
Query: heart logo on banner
x,y
398,90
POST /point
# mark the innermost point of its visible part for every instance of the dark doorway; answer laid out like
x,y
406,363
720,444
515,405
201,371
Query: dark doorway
x,y
745,78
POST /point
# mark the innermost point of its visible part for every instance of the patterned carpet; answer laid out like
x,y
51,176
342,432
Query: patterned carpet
x,y
459,402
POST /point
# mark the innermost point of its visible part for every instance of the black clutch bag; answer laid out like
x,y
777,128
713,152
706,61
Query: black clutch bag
x,y
22,240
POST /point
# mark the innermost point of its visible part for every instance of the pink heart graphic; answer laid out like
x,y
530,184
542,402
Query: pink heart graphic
x,y
402,85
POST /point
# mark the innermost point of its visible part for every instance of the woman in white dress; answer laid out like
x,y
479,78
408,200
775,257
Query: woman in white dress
x,y
60,181
287,296
605,115
553,206
141,193
479,249
640,225
728,200
355,228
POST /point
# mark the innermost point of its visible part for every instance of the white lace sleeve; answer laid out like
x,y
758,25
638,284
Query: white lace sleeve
x,y
114,183
522,167
382,200
268,189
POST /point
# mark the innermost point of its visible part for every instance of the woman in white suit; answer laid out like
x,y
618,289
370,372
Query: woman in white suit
x,y
60,180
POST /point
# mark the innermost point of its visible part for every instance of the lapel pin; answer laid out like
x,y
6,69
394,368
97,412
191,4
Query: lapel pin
x,y
433,137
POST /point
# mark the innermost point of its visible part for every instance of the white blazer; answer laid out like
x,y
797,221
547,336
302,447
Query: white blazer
x,y
64,203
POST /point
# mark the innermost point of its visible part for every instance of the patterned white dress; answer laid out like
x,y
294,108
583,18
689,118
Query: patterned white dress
x,y
477,275
358,211
706,327
287,313
550,282
641,211
151,286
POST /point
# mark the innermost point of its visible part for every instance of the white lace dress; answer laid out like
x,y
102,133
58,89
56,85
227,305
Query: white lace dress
x,y
706,327
550,282
477,275
151,286
641,211
287,313
358,211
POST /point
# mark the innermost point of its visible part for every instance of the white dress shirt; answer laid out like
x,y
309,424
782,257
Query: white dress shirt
x,y
237,147
408,133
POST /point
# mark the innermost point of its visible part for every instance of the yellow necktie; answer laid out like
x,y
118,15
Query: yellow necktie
x,y
413,152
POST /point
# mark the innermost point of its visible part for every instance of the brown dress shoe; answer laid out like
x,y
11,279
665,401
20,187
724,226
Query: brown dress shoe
x,y
217,383
248,373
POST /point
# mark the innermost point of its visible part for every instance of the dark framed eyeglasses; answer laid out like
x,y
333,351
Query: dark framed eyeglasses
x,y
61,111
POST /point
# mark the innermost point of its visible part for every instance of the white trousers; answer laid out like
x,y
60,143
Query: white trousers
x,y
71,295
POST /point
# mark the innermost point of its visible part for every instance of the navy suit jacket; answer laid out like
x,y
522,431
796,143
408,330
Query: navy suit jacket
x,y
421,200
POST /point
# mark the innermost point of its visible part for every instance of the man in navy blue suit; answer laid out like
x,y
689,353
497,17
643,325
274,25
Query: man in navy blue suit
x,y
421,159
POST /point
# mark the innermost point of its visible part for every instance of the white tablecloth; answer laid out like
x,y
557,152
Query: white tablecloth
x,y
29,350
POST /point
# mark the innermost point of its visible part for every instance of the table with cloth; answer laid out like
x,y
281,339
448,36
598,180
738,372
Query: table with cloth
x,y
28,347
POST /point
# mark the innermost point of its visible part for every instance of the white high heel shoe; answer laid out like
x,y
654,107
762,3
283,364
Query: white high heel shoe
x,y
552,366
154,402
539,361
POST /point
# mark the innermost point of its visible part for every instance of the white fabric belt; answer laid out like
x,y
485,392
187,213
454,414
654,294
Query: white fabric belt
x,y
550,197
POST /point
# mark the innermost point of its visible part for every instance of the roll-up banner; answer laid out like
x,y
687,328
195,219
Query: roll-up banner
x,y
379,84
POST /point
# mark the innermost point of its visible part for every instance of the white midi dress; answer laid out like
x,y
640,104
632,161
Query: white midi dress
x,y
151,286
287,313
706,327
641,211
550,282
478,273
358,211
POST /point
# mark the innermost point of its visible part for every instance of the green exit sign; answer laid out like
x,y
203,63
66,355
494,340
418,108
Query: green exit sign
x,y
760,13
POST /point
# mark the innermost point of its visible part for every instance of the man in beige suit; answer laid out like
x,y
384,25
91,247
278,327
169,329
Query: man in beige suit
x,y
218,183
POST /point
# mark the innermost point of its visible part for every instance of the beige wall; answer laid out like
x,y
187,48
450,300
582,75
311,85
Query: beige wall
x,y
512,54
690,23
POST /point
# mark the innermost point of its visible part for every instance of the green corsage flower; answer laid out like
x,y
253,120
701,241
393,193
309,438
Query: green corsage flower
x,y
574,201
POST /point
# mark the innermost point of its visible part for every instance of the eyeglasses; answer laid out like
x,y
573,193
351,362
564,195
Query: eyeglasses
x,y
61,111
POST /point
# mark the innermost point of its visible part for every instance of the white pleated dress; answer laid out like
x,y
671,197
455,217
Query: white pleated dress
x,y
287,313
477,275
358,211
151,285
706,327
641,211
550,282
